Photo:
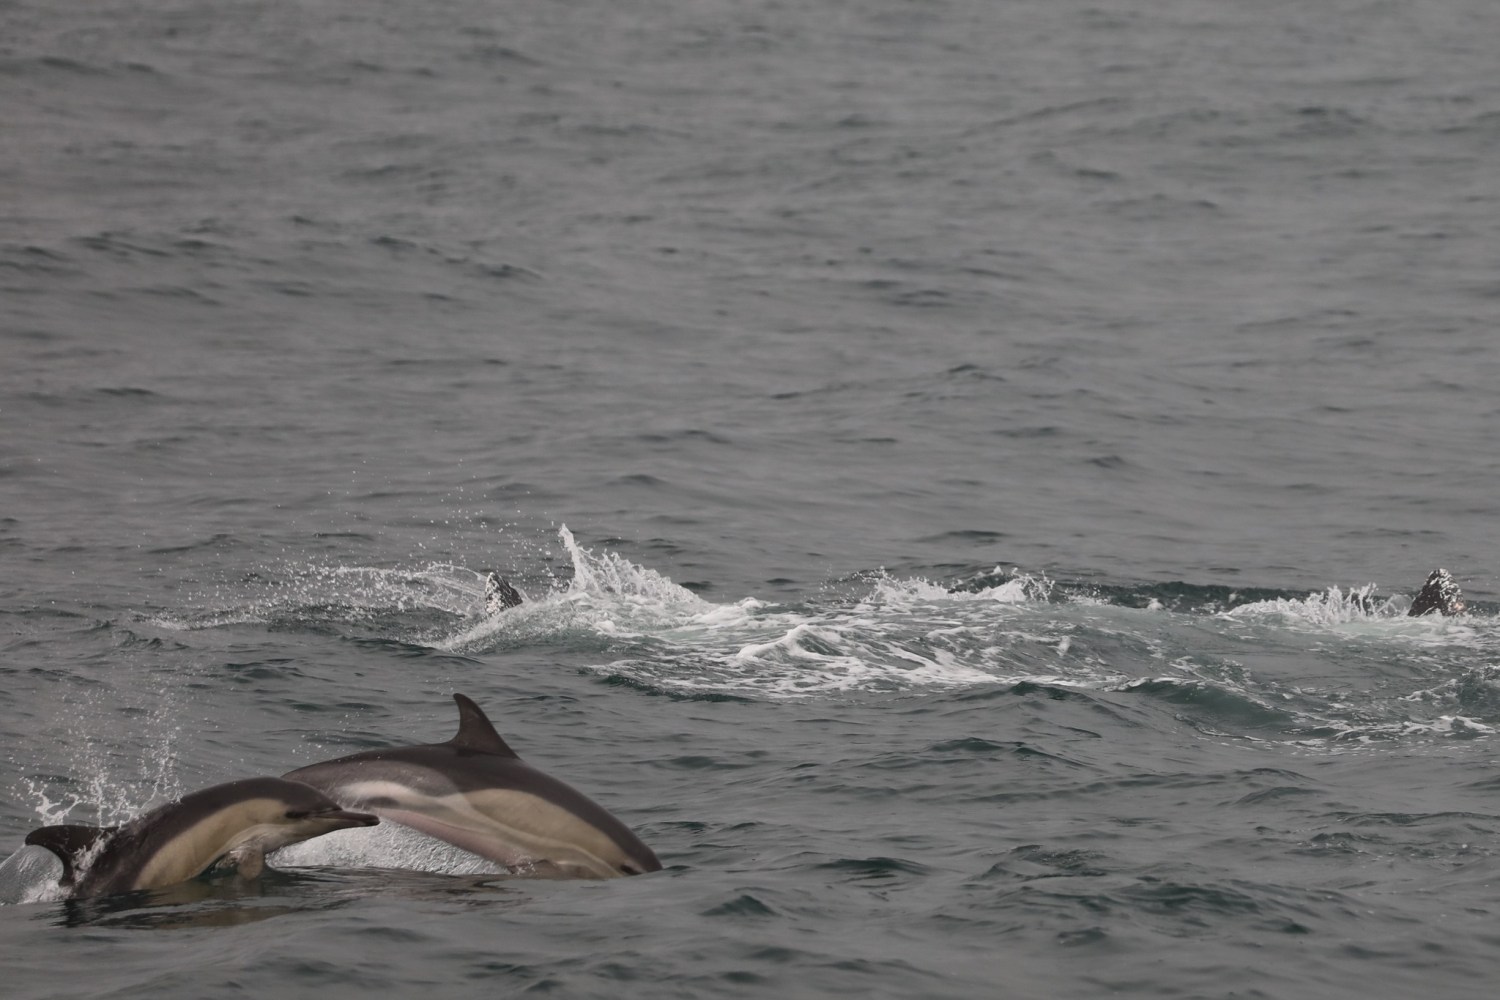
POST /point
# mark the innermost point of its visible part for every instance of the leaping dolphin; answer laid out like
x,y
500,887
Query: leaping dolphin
x,y
1440,593
240,821
475,793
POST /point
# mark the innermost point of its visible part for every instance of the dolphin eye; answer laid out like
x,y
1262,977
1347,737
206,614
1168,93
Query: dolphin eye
x,y
298,813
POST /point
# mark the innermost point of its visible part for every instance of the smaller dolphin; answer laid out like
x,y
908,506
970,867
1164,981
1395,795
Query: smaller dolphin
x,y
1441,594
474,792
499,595
241,821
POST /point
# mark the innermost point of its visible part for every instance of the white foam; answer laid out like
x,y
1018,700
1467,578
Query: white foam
x,y
1330,607
892,635
357,593
901,634
388,845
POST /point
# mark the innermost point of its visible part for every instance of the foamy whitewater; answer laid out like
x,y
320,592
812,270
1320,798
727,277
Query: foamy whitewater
x,y
866,638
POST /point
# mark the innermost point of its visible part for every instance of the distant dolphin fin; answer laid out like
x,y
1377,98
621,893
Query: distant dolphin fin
x,y
69,842
499,595
476,732
1441,594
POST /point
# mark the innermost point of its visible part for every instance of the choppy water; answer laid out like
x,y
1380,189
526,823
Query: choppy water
x,y
967,464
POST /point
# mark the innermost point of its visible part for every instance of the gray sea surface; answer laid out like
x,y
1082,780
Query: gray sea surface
x,y
968,464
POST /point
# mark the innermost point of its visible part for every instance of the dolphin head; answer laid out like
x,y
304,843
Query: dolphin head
x,y
303,812
297,812
240,823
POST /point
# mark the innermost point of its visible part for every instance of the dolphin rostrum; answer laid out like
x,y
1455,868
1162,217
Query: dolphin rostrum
x,y
240,821
1440,593
475,793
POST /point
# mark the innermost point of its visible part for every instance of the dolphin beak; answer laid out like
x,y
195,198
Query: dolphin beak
x,y
341,819
344,817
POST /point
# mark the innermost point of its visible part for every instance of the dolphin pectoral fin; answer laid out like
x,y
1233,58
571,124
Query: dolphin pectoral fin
x,y
499,595
545,869
248,860
70,842
1440,593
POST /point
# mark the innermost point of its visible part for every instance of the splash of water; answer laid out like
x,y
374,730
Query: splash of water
x,y
1333,606
388,845
876,633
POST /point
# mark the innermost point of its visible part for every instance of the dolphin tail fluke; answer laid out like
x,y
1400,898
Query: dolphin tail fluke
x,y
69,842
499,595
1440,593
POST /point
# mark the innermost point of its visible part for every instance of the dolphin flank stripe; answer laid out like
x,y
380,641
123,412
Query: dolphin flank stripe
x,y
217,836
472,822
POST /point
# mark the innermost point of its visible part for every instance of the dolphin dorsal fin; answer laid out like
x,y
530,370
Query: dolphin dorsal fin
x,y
499,595
69,842
476,732
1440,593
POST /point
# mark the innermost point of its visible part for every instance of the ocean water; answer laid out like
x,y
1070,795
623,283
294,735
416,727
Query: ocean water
x,y
967,463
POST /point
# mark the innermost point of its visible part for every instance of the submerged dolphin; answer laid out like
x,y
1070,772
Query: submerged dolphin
x,y
1440,593
241,821
475,793
499,595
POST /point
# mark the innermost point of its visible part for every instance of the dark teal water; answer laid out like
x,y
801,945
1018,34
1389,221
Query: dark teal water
x,y
996,445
